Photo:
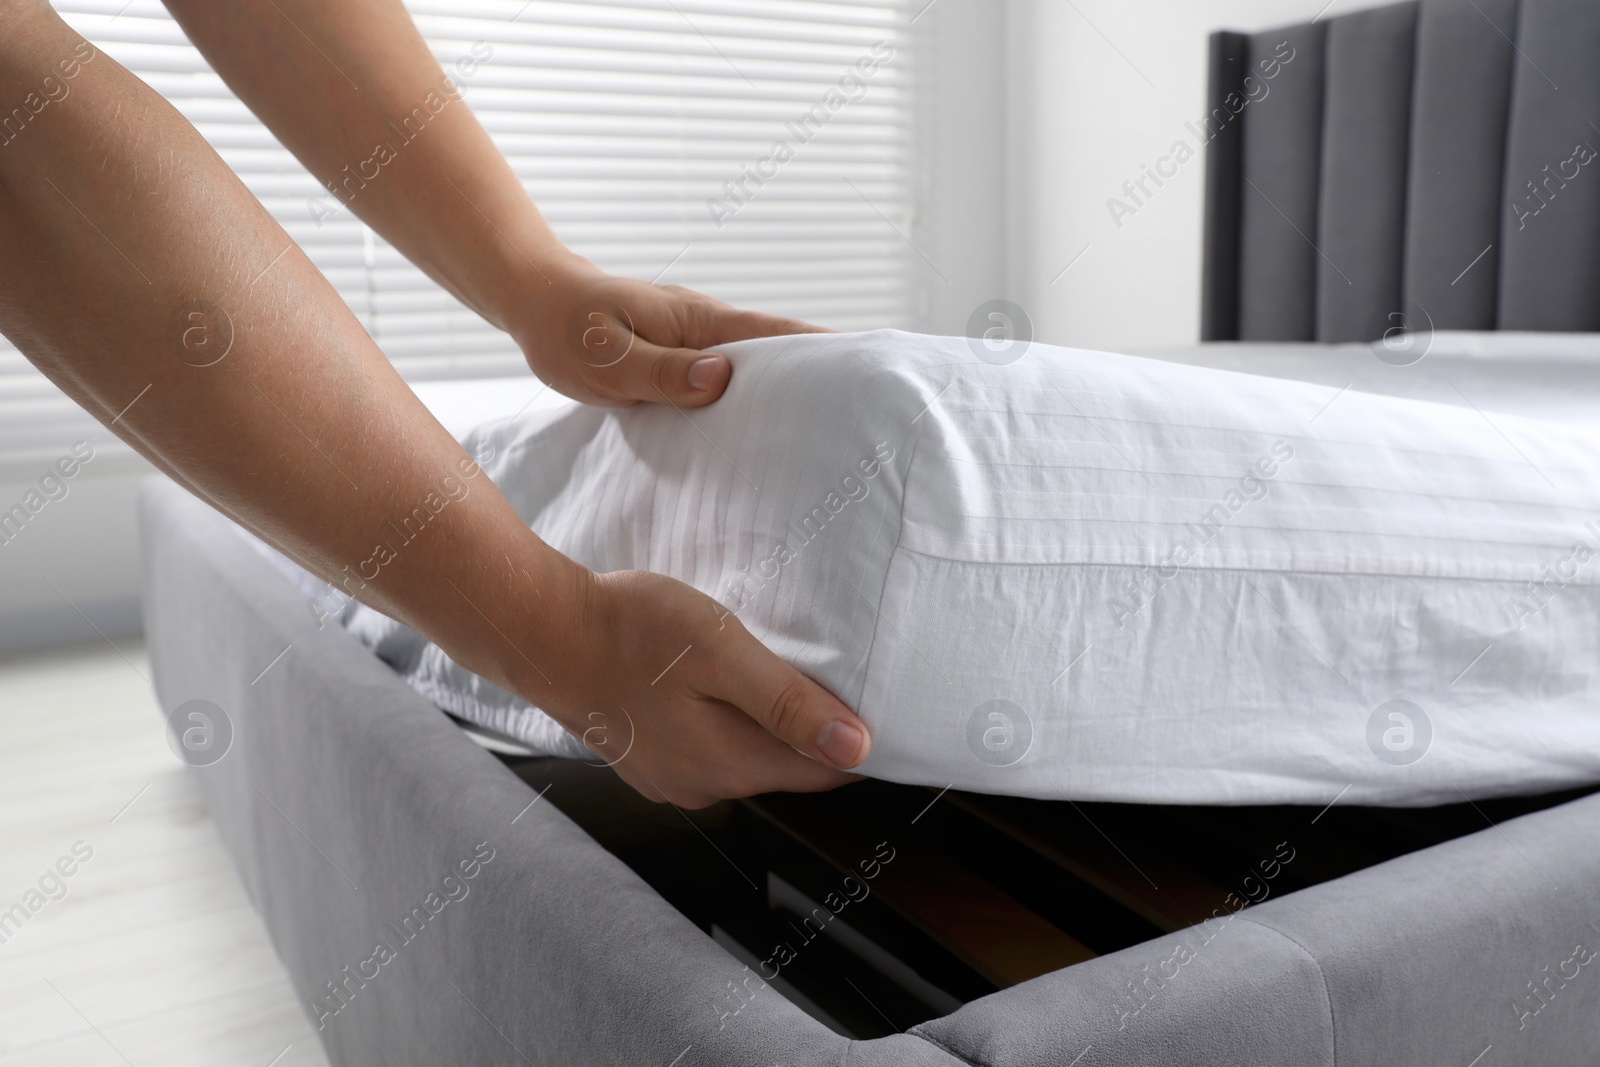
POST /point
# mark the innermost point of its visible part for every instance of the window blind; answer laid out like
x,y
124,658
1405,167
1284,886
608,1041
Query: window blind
x,y
756,150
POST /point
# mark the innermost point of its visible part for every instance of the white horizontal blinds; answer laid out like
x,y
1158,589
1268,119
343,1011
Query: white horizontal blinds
x,y
632,123
753,149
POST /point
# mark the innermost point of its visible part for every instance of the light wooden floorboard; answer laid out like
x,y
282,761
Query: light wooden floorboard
x,y
152,954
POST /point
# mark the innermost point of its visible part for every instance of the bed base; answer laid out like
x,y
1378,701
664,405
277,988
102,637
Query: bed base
x,y
969,894
345,798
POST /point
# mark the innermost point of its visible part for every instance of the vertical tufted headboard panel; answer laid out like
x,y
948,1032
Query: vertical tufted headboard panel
x,y
1431,164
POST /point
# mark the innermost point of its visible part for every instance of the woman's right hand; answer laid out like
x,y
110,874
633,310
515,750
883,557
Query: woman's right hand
x,y
687,705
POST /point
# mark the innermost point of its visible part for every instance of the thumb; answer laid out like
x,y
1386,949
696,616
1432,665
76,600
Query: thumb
x,y
792,707
617,364
680,376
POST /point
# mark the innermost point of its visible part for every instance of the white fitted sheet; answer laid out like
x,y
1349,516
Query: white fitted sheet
x,y
1172,583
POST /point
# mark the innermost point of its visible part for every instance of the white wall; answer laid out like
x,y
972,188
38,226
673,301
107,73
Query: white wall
x,y
1097,88
959,229
74,569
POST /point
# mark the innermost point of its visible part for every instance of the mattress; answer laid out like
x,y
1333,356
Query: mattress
x,y
1101,577
1551,376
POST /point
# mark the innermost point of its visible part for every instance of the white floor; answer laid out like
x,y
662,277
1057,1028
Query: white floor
x,y
153,955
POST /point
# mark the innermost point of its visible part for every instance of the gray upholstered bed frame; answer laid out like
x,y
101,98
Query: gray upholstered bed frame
x,y
1380,164
346,799
1430,165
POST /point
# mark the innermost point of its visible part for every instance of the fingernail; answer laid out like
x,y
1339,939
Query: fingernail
x,y
703,372
841,742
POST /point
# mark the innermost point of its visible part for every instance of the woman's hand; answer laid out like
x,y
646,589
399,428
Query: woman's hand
x,y
721,720
302,431
616,341
668,687
452,204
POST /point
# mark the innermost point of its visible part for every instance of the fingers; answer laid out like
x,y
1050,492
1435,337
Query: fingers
x,y
782,770
792,707
714,323
646,343
728,717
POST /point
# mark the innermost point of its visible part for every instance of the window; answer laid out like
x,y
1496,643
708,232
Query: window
x,y
757,150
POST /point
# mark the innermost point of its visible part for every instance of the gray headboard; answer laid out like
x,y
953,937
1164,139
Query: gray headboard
x,y
1427,164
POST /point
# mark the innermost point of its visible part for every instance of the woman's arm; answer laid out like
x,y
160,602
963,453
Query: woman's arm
x,y
144,279
352,90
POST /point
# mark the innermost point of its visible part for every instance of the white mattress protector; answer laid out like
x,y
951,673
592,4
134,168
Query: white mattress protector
x,y
1096,576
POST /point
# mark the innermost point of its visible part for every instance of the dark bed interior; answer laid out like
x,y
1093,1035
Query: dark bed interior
x,y
978,892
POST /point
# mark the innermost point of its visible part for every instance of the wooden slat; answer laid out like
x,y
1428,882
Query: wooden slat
x,y
1168,894
983,927
982,892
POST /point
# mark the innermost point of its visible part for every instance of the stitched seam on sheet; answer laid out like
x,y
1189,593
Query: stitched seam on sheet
x,y
942,1047
877,619
1589,583
855,519
1327,991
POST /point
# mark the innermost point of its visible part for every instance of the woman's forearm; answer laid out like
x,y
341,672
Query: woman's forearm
x,y
139,273
141,276
352,90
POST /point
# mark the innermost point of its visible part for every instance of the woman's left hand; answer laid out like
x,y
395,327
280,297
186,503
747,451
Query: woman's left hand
x,y
616,341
